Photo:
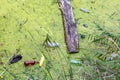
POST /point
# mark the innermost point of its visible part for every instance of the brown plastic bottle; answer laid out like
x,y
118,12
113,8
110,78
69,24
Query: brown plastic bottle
x,y
29,63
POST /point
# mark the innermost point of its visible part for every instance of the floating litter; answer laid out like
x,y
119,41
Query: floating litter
x,y
30,63
52,44
75,62
42,60
15,58
84,10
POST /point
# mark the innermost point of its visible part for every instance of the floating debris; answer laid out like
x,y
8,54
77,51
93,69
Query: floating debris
x,y
30,63
112,56
15,58
42,60
85,25
75,62
82,36
52,44
84,10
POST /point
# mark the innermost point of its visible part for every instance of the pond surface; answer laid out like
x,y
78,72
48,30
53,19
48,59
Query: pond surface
x,y
24,25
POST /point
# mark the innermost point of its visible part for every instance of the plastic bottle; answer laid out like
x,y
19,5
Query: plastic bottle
x,y
30,63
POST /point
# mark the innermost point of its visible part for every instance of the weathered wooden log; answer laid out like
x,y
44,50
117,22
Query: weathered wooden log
x,y
70,28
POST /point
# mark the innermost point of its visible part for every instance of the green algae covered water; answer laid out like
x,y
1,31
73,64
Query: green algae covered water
x,y
24,25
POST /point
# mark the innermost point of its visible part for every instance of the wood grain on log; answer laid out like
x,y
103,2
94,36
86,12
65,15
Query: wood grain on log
x,y
70,28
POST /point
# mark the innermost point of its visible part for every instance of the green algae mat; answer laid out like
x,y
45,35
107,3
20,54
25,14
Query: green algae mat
x,y
24,25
